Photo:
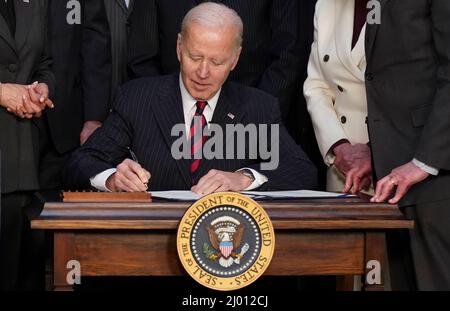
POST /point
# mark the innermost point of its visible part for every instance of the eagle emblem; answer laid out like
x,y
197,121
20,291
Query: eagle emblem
x,y
225,234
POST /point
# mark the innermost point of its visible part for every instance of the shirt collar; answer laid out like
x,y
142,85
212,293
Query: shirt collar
x,y
189,102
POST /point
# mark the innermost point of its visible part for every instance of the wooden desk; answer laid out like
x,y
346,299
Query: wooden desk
x,y
313,237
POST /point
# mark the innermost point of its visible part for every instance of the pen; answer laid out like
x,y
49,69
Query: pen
x,y
133,156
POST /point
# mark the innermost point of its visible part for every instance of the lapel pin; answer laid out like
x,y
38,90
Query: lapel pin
x,y
231,116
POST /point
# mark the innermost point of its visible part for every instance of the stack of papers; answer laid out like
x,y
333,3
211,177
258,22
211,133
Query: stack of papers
x,y
296,194
181,195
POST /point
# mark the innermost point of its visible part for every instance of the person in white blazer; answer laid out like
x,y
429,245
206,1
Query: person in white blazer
x,y
336,96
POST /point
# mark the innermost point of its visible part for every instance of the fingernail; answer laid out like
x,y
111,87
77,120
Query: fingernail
x,y
42,99
35,82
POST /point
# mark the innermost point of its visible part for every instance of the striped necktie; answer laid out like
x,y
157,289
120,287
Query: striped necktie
x,y
197,140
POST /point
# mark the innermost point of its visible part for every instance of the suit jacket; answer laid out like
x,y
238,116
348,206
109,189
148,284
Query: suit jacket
x,y
82,65
408,91
24,58
335,90
270,55
143,117
118,13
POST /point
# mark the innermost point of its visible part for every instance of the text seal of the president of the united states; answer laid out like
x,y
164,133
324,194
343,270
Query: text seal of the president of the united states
x,y
225,241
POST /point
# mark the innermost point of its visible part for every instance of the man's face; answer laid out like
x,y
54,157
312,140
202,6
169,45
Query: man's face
x,y
207,56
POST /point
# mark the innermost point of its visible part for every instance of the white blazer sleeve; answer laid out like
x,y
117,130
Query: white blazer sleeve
x,y
319,99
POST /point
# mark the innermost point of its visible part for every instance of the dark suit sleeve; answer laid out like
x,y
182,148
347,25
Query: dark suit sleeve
x,y
295,171
43,72
96,61
434,146
105,149
143,43
281,76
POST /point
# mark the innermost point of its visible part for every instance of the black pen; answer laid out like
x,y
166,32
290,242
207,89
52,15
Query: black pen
x,y
133,156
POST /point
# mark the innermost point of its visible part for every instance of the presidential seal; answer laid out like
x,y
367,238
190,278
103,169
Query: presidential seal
x,y
225,241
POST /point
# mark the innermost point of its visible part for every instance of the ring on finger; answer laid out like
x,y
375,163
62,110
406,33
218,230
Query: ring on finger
x,y
393,181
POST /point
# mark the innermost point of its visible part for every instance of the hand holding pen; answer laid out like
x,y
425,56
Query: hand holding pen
x,y
130,176
135,159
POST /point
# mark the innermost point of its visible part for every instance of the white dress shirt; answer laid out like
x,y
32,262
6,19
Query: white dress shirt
x,y
189,108
426,168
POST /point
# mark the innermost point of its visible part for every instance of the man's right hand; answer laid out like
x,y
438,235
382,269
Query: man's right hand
x,y
130,177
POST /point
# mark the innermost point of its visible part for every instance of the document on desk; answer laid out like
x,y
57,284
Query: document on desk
x,y
296,194
186,195
177,195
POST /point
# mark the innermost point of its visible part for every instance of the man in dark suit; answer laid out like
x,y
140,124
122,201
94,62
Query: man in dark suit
x,y
408,91
82,66
147,110
26,81
118,12
270,56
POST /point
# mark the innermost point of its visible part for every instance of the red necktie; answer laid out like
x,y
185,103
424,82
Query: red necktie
x,y
197,139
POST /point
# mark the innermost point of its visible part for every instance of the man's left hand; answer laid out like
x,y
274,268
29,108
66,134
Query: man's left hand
x,y
217,181
402,178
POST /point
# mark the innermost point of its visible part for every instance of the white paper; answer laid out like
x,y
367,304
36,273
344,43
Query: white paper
x,y
186,195
297,194
179,195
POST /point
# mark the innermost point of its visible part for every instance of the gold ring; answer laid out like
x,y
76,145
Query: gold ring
x,y
393,180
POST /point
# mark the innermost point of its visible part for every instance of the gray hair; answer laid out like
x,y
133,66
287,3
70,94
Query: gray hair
x,y
211,14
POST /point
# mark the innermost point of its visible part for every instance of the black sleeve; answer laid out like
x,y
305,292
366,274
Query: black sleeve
x,y
434,146
143,43
96,61
281,78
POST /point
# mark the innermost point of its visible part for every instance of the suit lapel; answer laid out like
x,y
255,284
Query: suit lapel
x,y
358,54
130,7
344,18
168,112
5,33
226,112
372,30
24,20
122,5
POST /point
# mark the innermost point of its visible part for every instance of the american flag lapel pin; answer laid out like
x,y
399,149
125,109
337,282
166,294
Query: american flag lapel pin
x,y
230,115
26,1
